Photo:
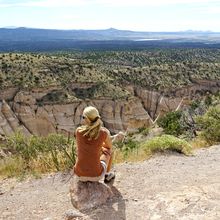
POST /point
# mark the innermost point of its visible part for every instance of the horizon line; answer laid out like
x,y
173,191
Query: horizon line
x,y
102,29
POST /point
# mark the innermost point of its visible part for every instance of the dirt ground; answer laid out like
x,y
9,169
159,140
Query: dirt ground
x,y
168,186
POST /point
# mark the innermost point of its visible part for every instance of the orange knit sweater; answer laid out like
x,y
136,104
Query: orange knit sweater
x,y
88,154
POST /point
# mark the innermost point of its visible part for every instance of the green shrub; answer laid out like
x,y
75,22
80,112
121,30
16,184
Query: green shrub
x,y
55,150
209,124
143,130
167,142
195,104
129,146
171,123
12,166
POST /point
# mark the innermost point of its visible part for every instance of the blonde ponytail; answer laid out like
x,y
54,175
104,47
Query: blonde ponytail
x,y
91,130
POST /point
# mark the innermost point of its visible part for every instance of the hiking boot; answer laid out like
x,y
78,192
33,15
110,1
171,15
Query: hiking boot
x,y
109,177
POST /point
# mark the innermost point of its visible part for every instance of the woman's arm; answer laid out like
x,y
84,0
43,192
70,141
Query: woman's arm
x,y
106,148
107,144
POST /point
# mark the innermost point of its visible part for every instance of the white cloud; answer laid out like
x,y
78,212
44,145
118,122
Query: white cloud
x,y
45,3
117,3
107,3
210,10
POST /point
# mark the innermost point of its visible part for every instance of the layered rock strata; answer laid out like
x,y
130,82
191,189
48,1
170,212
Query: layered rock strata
x,y
25,111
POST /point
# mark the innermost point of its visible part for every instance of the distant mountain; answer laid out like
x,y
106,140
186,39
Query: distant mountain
x,y
23,34
10,27
31,39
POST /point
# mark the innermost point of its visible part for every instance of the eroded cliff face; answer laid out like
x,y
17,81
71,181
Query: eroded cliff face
x,y
116,115
21,110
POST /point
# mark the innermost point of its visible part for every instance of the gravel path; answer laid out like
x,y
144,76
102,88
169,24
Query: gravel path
x,y
167,186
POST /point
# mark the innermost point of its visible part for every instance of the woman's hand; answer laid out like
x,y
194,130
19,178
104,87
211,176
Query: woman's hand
x,y
118,137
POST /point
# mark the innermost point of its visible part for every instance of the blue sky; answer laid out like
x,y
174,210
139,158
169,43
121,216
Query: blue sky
x,y
138,15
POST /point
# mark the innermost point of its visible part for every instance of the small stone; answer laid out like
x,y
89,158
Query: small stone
x,y
194,199
48,218
72,214
5,214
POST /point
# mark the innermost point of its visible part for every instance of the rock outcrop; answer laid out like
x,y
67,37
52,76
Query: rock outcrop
x,y
29,112
9,122
86,195
9,93
53,118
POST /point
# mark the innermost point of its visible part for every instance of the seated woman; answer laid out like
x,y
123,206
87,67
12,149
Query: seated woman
x,y
94,149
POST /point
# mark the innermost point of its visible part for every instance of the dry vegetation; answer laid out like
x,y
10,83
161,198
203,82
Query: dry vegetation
x,y
106,73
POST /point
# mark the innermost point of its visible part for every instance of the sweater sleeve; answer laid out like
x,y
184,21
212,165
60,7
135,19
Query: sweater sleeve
x,y
107,144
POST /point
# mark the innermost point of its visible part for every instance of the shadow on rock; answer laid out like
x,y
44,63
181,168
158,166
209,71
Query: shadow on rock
x,y
114,208
97,200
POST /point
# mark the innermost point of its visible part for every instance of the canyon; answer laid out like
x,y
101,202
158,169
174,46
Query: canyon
x,y
29,112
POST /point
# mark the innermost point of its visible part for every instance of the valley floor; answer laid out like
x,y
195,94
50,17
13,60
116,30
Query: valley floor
x,y
168,186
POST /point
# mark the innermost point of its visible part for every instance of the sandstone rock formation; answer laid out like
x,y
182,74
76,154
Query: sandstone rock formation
x,y
29,112
9,93
9,122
